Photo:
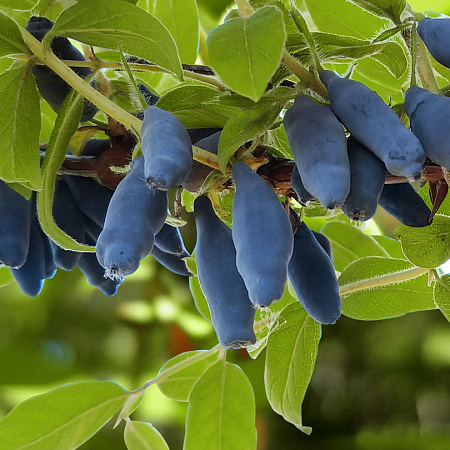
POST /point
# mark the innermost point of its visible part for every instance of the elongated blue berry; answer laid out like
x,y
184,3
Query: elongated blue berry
x,y
368,174
166,148
375,125
172,261
262,235
53,88
15,220
231,310
319,146
405,204
435,33
169,240
313,278
135,214
429,116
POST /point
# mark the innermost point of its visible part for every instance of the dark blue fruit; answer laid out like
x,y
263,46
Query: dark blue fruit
x,y
172,261
135,214
53,88
94,272
231,311
374,124
30,276
166,148
95,147
297,184
319,146
435,33
197,134
169,240
71,220
150,97
14,227
91,197
428,114
405,204
312,275
368,174
324,242
193,182
262,235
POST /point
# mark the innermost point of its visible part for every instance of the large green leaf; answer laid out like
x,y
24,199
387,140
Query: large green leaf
x,y
10,37
192,365
426,246
350,243
21,122
63,418
392,9
221,412
197,106
266,317
143,436
381,288
117,24
246,52
65,126
181,19
244,126
343,17
442,295
290,358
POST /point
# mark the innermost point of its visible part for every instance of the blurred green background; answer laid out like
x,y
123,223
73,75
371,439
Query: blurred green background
x,y
376,385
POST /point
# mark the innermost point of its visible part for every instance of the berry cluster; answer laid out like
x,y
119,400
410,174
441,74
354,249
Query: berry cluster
x,y
247,266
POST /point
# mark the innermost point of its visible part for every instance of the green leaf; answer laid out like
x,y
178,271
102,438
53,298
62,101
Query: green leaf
x,y
392,246
196,106
221,412
345,18
290,358
143,436
392,9
196,291
6,277
426,246
266,317
277,141
444,209
246,52
245,126
65,126
11,40
350,243
393,58
192,365
21,122
115,24
381,288
62,418
181,19
441,292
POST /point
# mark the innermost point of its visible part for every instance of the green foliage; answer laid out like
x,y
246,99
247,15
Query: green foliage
x,y
143,436
114,24
63,418
221,410
246,52
428,246
260,61
21,117
390,295
291,354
